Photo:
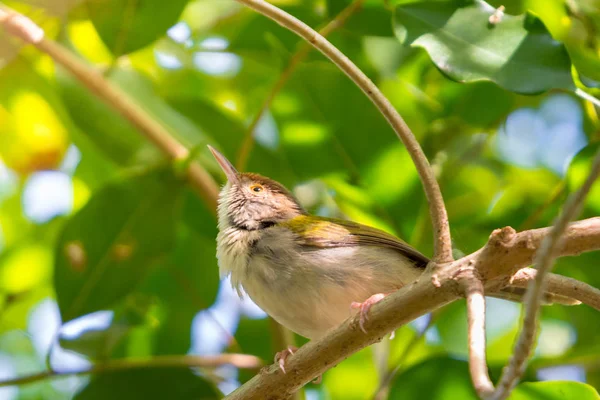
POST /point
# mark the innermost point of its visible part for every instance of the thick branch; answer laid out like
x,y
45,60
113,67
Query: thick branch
x,y
545,258
437,209
25,29
285,75
238,360
505,253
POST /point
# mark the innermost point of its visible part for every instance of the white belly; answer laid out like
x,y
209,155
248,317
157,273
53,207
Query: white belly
x,y
309,293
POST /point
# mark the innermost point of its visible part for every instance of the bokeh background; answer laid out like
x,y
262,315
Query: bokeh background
x,y
105,253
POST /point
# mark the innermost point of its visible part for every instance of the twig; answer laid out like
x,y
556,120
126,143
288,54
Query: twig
x,y
238,360
533,298
437,209
586,96
296,59
505,253
25,29
560,285
474,293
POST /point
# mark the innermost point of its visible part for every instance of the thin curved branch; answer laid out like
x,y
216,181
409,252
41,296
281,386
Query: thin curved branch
x,y
560,285
437,209
285,75
25,29
238,360
505,253
478,369
544,262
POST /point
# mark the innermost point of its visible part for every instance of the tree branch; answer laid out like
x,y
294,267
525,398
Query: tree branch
x,y
474,293
238,360
25,29
437,209
560,285
545,258
285,75
505,253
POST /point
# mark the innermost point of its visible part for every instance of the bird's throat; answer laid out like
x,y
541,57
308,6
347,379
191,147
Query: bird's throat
x,y
255,226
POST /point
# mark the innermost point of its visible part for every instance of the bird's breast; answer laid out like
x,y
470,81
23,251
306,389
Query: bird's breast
x,y
309,290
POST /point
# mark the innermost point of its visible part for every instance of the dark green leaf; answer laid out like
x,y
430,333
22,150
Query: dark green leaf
x,y
126,26
186,284
517,52
230,133
108,131
451,379
110,244
99,344
579,171
149,384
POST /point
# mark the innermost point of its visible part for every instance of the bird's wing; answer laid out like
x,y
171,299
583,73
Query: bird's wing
x,y
329,232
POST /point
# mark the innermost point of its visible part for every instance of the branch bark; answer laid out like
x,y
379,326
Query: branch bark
x,y
545,258
560,285
238,360
478,369
25,29
437,209
505,254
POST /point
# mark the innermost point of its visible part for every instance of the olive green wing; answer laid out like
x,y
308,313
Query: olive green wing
x,y
330,232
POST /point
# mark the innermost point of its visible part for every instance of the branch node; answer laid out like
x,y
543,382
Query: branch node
x,y
503,237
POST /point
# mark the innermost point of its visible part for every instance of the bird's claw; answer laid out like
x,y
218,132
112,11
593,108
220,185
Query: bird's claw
x,y
364,308
281,356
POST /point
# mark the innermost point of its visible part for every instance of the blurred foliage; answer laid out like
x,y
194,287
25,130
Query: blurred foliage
x,y
105,253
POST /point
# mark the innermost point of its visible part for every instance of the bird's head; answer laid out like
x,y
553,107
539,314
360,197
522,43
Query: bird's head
x,y
251,201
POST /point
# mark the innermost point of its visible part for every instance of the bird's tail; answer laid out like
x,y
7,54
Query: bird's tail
x,y
517,294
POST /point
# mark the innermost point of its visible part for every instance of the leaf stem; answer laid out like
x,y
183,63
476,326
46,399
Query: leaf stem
x,y
437,209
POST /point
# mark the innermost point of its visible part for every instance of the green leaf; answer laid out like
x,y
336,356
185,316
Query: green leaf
x,y
186,284
230,133
554,390
108,132
99,344
435,379
106,249
126,26
578,172
517,53
144,384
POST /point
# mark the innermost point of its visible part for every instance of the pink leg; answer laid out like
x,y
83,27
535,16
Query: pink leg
x,y
364,308
281,356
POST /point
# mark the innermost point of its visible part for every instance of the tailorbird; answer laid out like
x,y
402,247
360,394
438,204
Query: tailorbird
x,y
307,271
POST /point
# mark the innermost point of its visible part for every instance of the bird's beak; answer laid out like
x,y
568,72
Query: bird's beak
x,y
226,166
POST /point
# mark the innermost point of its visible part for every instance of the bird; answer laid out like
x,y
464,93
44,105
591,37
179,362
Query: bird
x,y
307,272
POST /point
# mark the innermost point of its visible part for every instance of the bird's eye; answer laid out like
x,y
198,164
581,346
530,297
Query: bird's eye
x,y
256,188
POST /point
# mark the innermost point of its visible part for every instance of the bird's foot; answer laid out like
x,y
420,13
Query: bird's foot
x,y
281,356
364,308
